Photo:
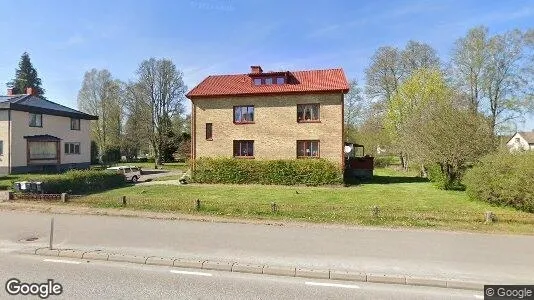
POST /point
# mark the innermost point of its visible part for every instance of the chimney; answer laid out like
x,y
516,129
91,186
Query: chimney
x,y
10,91
31,91
256,70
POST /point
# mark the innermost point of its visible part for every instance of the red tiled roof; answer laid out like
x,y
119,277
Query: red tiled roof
x,y
331,80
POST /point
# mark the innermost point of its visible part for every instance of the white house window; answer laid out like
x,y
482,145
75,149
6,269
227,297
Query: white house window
x,y
36,120
74,124
72,148
42,150
518,140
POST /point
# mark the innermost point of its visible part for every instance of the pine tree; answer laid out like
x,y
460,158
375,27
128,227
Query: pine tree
x,y
25,77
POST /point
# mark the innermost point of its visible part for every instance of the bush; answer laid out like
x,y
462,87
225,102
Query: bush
x,y
78,181
385,161
282,172
503,179
439,179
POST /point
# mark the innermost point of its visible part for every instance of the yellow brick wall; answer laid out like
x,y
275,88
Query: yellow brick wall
x,y
275,130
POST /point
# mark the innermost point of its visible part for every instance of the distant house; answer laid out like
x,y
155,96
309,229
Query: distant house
x,y
521,141
270,115
40,135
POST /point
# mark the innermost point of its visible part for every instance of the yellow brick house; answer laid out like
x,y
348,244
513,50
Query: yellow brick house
x,y
269,115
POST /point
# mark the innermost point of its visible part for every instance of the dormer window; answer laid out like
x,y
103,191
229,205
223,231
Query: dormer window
x,y
269,80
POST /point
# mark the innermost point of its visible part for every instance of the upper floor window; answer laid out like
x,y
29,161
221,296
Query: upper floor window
x,y
243,148
308,112
280,80
36,120
1,147
243,114
74,124
268,80
518,140
257,81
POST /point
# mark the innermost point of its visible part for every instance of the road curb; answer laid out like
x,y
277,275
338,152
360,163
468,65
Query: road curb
x,y
291,271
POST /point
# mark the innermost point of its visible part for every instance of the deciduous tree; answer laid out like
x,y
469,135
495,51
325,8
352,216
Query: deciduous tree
x,y
101,95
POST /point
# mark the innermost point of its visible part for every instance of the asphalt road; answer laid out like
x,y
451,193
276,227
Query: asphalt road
x,y
461,256
109,280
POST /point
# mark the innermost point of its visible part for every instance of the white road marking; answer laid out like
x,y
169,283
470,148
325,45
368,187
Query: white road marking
x,y
191,273
346,286
479,297
63,261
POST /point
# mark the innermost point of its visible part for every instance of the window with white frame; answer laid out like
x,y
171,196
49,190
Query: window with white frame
x,y
72,148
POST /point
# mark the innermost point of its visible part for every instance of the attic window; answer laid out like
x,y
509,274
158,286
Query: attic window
x,y
269,80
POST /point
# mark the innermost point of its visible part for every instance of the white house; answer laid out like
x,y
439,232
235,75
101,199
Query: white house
x,y
41,135
521,141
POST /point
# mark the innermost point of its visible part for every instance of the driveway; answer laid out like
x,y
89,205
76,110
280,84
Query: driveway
x,y
150,175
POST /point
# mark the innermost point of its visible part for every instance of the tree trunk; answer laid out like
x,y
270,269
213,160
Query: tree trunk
x,y
424,173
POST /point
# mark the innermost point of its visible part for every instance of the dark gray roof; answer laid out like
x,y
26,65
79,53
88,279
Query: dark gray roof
x,y
35,104
42,137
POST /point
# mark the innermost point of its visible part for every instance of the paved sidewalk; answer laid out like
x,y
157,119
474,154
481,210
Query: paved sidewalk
x,y
459,256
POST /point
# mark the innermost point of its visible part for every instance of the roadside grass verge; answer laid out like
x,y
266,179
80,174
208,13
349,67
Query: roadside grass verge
x,y
403,201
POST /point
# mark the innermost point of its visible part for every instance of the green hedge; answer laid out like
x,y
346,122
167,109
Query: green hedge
x,y
78,181
503,179
281,172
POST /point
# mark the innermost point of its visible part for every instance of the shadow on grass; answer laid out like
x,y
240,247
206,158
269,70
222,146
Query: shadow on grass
x,y
151,172
377,179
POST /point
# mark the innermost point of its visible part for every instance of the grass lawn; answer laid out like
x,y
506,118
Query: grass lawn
x,y
403,201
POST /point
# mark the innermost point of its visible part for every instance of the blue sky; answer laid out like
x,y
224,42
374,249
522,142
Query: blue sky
x,y
203,37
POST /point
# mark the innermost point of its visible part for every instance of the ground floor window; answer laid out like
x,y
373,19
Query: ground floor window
x,y
72,148
307,148
43,150
244,148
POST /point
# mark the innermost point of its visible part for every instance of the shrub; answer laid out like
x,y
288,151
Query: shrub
x,y
504,179
439,179
78,181
282,172
385,161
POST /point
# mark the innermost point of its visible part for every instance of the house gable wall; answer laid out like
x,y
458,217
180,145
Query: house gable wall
x,y
513,145
57,126
275,130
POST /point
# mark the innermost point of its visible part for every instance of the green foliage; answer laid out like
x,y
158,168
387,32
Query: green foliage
x,y
111,155
26,76
439,179
503,178
280,172
78,181
385,161
94,153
